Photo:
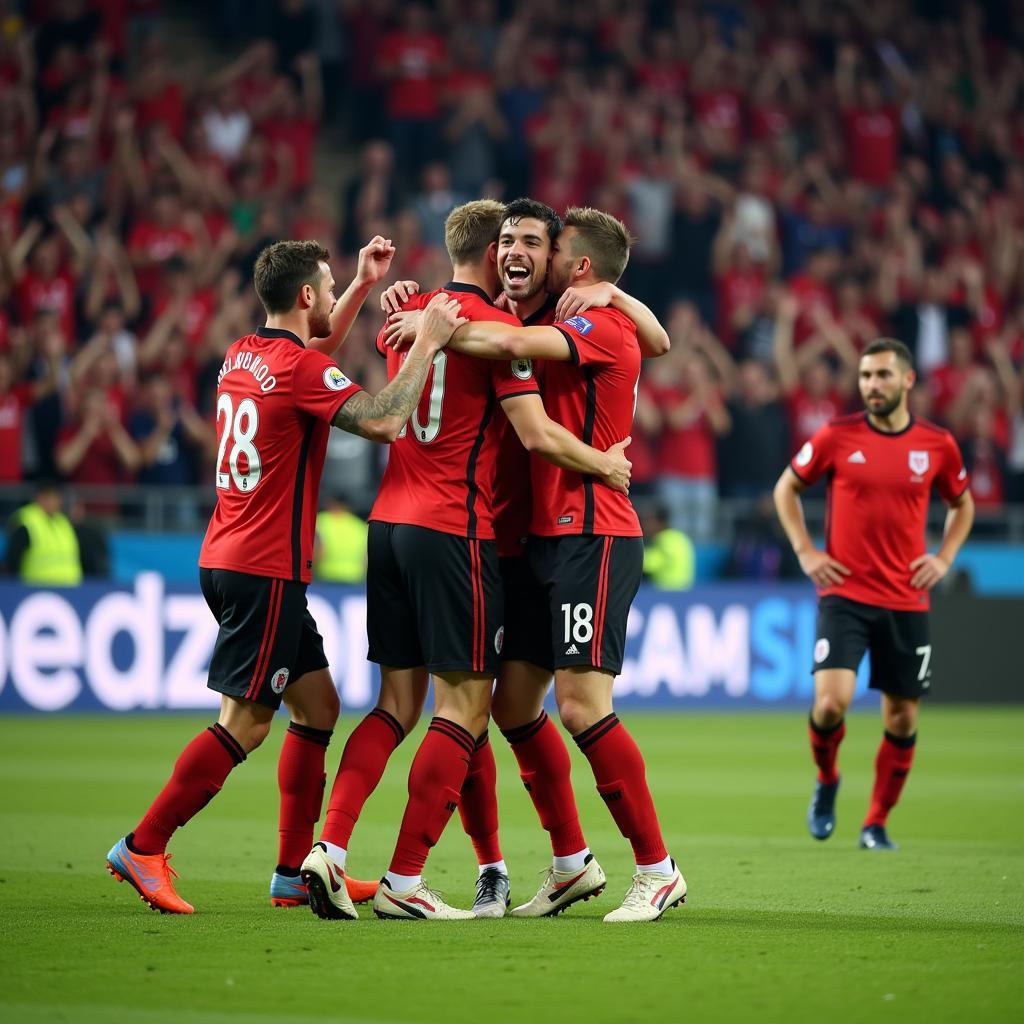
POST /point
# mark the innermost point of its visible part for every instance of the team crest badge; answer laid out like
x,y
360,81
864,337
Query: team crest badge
x,y
918,463
279,680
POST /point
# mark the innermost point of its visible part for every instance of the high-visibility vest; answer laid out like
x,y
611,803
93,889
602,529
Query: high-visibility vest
x,y
342,547
669,560
52,558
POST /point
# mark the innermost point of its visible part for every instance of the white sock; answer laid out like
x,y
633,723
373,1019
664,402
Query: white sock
x,y
663,867
402,883
336,853
498,865
574,862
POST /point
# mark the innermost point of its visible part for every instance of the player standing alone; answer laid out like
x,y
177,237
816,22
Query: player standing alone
x,y
276,401
874,575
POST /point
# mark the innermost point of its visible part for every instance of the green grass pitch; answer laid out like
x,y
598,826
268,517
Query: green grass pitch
x,y
776,927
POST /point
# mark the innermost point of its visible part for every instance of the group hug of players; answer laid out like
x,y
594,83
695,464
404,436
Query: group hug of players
x,y
503,551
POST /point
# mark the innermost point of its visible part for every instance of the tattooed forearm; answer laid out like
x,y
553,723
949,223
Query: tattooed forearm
x,y
362,413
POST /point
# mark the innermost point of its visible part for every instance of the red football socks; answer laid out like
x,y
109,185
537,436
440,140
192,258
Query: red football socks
x,y
545,768
825,749
892,766
478,803
198,775
618,768
362,766
301,780
435,780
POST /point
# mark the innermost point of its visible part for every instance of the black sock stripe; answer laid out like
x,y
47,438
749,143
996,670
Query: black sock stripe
x,y
582,737
590,736
453,731
307,732
389,719
521,733
482,740
825,730
903,742
228,742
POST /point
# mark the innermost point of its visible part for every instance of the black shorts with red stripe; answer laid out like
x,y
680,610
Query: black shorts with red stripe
x,y
267,638
589,582
432,599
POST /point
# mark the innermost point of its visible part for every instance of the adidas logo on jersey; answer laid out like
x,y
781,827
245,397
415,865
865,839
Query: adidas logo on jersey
x,y
857,456
573,649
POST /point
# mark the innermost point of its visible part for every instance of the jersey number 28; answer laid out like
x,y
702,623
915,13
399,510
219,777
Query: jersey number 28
x,y
240,427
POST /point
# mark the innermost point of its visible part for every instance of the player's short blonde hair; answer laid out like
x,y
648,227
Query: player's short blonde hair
x,y
471,228
601,237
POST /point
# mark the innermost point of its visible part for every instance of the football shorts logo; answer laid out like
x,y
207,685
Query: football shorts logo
x,y
580,323
918,463
522,368
335,379
279,680
499,640
821,649
805,454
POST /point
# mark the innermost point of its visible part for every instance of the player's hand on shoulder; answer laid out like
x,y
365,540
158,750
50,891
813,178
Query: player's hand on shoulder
x,y
620,469
396,294
580,299
440,320
822,568
374,260
401,328
927,570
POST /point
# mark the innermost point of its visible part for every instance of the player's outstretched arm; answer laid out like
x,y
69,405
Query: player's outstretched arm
x,y
374,262
653,338
542,435
820,566
380,417
492,340
929,569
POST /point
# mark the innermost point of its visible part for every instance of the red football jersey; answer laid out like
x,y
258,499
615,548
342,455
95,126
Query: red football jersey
x,y
594,397
879,485
275,403
440,471
513,495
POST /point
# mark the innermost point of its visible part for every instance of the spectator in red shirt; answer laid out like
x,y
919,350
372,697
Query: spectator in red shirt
x,y
293,121
872,128
740,285
95,448
163,233
412,61
46,285
949,378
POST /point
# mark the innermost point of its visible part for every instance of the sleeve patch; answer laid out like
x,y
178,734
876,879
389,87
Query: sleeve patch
x,y
522,368
335,379
804,456
580,323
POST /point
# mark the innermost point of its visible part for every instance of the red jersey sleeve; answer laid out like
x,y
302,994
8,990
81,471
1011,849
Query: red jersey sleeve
x,y
514,378
951,480
815,458
594,340
320,388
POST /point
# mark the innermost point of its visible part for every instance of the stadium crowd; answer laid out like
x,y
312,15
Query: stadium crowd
x,y
800,178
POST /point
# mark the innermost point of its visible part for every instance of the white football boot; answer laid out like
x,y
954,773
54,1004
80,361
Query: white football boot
x,y
561,889
650,895
325,885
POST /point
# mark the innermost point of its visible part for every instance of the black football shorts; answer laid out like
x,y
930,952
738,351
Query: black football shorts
x,y
432,599
589,582
267,637
527,619
901,650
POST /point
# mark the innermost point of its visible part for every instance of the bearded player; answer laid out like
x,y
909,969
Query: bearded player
x,y
276,401
875,573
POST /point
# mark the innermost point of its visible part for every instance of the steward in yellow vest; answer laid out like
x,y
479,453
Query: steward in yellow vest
x,y
42,547
340,545
669,560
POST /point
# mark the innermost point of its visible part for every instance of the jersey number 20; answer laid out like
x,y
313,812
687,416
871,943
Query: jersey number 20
x,y
240,427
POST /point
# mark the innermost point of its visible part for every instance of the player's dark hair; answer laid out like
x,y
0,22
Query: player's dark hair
x,y
601,237
890,345
283,268
521,209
